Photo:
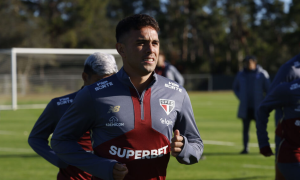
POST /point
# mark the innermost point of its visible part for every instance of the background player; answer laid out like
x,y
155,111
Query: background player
x,y
250,86
287,96
97,66
167,70
132,115
287,73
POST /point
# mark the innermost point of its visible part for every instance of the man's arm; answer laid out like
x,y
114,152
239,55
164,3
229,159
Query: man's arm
x,y
278,97
79,118
185,125
38,138
235,86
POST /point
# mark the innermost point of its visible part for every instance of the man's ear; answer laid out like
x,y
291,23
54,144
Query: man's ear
x,y
85,77
121,49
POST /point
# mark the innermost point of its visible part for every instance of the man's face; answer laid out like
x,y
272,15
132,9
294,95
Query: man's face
x,y
252,64
140,49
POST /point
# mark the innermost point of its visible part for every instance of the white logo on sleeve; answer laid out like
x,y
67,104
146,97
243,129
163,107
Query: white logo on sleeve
x,y
173,86
63,101
167,105
102,85
295,86
114,121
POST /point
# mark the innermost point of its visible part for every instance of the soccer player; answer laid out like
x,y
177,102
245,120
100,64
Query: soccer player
x,y
287,96
167,70
132,115
250,86
97,66
287,73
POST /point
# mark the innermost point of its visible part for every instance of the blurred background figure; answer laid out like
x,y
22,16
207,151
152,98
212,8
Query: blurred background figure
x,y
288,72
167,70
250,86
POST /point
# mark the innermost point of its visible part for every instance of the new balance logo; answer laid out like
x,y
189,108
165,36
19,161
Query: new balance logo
x,y
113,121
295,86
113,109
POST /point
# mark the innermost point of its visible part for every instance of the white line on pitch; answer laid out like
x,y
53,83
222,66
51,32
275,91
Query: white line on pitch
x,y
6,132
7,149
257,166
223,143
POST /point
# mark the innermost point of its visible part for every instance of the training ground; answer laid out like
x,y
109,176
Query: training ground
x,y
215,115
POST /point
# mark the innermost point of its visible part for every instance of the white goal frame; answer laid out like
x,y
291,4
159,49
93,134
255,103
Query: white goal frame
x,y
14,51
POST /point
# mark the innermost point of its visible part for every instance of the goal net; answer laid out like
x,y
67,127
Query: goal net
x,y
31,77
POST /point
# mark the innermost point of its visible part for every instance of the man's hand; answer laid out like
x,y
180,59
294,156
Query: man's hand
x,y
177,143
119,171
266,151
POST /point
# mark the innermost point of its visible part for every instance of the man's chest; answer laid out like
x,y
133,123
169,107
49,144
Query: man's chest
x,y
121,114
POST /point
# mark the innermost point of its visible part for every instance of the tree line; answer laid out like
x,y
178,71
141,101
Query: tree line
x,y
207,36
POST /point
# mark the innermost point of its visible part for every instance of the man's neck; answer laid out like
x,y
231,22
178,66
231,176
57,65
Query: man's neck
x,y
140,82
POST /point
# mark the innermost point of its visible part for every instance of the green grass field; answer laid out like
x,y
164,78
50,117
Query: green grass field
x,y
215,115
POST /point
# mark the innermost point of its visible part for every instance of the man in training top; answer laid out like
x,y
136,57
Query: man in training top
x,y
285,96
96,67
288,72
132,115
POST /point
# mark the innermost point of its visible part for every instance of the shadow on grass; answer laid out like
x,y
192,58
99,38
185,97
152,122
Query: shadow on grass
x,y
20,156
242,178
230,154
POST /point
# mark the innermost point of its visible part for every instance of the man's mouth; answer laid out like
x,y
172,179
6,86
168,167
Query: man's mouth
x,y
149,60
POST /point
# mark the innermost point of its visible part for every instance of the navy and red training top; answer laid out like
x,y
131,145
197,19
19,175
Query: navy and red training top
x,y
44,127
129,128
287,96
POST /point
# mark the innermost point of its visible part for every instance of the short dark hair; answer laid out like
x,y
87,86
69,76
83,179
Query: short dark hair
x,y
247,58
136,22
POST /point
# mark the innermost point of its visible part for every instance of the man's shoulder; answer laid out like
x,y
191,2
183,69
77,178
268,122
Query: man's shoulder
x,y
64,100
169,84
294,61
104,85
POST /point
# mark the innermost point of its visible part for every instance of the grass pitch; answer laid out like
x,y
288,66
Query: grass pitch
x,y
215,115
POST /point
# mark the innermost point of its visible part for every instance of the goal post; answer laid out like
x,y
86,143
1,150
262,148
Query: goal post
x,y
14,52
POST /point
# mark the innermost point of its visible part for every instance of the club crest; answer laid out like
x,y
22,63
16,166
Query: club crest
x,y
167,105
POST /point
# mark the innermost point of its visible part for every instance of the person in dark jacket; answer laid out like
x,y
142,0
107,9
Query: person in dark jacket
x,y
167,70
250,86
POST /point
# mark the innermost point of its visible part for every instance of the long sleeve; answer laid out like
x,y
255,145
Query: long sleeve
x,y
193,145
43,128
278,97
79,118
